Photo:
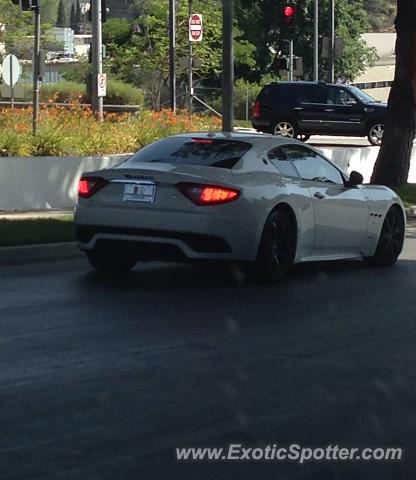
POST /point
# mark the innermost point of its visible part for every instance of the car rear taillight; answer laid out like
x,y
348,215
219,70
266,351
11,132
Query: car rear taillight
x,y
87,186
256,109
202,194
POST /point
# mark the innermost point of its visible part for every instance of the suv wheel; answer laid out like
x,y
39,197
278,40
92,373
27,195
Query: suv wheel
x,y
375,134
285,128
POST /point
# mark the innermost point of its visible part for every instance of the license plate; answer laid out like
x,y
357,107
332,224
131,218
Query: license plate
x,y
139,192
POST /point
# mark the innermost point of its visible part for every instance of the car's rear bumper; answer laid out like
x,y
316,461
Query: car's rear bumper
x,y
161,235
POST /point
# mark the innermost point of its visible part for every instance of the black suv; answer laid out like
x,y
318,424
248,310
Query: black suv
x,y
301,109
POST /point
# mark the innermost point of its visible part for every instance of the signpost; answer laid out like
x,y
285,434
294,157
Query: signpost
x,y
195,28
195,35
11,74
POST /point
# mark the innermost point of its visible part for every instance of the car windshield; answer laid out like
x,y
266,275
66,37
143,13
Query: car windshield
x,y
361,95
203,151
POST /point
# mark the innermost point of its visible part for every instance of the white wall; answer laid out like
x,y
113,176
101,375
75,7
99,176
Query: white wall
x,y
362,160
37,183
41,183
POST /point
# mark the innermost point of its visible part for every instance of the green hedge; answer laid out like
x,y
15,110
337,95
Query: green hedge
x,y
118,93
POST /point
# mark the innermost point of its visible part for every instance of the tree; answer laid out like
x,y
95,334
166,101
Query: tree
x,y
49,11
16,26
75,18
61,20
393,161
259,20
143,59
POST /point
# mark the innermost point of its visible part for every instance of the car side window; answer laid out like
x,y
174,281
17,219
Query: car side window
x,y
281,162
339,96
311,166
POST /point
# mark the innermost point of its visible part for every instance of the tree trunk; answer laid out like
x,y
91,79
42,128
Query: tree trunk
x,y
393,161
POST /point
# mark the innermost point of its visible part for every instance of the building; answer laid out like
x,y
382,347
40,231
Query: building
x,y
382,74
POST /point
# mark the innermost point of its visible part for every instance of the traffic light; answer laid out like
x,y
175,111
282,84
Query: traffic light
x,y
26,5
287,16
104,10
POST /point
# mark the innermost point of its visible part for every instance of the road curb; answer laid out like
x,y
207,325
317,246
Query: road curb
x,y
49,252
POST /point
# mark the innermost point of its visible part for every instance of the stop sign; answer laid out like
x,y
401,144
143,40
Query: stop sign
x,y
195,27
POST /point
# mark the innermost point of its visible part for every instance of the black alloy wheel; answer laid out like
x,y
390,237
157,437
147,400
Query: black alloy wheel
x,y
277,248
390,242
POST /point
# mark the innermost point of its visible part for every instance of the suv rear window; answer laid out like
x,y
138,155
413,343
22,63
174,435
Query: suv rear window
x,y
202,151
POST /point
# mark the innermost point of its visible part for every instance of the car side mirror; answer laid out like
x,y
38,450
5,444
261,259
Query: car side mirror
x,y
355,179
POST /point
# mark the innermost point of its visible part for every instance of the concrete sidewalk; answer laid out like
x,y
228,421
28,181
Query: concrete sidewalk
x,y
29,215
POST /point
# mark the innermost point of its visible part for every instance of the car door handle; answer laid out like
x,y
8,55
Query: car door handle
x,y
319,195
297,108
329,110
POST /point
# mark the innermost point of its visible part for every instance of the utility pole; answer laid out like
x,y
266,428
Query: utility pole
x,y
290,60
331,73
316,42
36,70
97,57
227,66
172,54
190,79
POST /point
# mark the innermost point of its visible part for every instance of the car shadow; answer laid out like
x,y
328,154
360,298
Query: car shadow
x,y
154,276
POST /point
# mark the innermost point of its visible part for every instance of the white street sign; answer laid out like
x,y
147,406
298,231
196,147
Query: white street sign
x,y
102,84
195,27
11,70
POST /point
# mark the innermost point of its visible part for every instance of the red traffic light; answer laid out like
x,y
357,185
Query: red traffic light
x,y
288,11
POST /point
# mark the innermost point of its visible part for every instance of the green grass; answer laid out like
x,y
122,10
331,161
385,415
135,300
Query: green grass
x,y
243,123
407,193
39,230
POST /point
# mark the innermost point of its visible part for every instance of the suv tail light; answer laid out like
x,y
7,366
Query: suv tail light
x,y
207,194
87,186
256,109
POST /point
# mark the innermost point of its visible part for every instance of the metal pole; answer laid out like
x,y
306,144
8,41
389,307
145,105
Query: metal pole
x,y
190,79
227,66
36,72
316,43
172,54
11,84
97,57
331,73
291,60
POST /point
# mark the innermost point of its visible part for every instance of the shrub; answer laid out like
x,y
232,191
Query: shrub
x,y
120,93
75,131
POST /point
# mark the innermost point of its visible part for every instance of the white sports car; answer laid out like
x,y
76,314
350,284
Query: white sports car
x,y
262,200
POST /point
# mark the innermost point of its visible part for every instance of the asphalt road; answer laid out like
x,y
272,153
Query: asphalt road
x,y
102,379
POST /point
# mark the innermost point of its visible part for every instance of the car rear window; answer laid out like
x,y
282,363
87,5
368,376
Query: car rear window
x,y
205,151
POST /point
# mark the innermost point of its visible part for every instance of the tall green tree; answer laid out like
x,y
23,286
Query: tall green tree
x,y
393,161
61,20
49,11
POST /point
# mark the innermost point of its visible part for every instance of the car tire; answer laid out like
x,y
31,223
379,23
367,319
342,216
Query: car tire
x,y
375,133
111,260
277,248
285,128
390,242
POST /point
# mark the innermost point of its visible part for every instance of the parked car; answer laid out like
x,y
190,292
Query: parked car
x,y
302,109
262,200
